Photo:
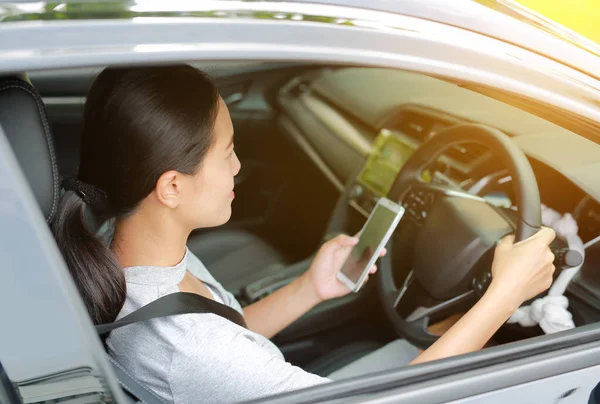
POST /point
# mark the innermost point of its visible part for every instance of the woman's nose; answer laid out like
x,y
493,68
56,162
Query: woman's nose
x,y
237,165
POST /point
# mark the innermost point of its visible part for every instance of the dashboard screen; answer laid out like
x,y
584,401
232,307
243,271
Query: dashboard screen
x,y
388,156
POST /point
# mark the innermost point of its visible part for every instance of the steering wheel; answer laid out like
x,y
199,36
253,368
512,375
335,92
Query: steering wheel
x,y
455,233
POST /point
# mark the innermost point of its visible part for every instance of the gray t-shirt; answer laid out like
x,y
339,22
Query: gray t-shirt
x,y
192,358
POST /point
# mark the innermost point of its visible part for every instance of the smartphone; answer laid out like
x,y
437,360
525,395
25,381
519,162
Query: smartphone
x,y
376,232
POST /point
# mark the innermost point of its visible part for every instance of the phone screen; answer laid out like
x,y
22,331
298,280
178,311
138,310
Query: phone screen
x,y
371,236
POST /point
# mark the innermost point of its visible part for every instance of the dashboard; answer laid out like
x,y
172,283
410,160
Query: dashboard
x,y
361,129
467,167
391,149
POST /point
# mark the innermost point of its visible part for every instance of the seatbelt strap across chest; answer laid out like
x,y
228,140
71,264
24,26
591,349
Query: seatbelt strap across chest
x,y
173,304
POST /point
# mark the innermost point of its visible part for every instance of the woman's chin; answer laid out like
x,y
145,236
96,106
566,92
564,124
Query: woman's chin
x,y
215,219
226,219
222,218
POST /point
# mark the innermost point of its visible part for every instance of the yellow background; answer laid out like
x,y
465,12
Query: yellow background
x,y
582,16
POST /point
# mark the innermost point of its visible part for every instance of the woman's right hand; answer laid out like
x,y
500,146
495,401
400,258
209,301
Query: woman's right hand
x,y
522,270
519,272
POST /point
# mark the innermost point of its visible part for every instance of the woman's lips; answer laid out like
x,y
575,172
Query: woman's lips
x,y
232,195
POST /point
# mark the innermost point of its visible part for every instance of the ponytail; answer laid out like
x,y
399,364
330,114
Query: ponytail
x,y
92,264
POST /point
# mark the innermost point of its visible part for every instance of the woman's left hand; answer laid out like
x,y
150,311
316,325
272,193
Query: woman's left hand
x,y
322,274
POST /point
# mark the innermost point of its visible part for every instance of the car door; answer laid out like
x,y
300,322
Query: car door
x,y
552,369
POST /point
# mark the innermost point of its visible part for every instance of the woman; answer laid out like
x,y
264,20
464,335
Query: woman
x,y
157,153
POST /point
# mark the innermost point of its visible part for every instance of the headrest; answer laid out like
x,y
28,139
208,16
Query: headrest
x,y
23,120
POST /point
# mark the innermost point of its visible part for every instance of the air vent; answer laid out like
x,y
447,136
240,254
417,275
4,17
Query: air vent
x,y
414,124
421,125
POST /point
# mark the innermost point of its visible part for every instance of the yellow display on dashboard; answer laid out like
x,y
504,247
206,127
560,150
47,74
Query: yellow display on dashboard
x,y
388,155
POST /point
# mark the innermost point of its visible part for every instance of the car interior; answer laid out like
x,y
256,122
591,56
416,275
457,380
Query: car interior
x,y
318,146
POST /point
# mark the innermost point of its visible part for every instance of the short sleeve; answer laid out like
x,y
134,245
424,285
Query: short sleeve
x,y
225,366
199,270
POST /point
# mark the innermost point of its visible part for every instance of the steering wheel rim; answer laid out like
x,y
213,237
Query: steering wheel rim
x,y
527,202
512,157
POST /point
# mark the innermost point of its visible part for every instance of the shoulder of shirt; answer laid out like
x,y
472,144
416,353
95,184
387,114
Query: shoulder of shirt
x,y
197,268
212,330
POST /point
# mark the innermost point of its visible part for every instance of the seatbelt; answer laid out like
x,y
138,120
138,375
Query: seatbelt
x,y
172,304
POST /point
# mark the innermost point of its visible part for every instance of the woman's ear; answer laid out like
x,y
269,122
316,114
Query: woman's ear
x,y
168,189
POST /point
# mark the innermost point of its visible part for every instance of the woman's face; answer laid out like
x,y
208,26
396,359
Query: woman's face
x,y
207,202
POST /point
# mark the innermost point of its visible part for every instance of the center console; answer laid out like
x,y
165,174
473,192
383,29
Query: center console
x,y
268,284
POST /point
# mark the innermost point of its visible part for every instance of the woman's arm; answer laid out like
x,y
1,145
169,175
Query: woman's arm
x,y
471,332
520,271
272,314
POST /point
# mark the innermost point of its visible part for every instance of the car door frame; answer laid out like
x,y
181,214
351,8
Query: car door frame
x,y
373,38
502,368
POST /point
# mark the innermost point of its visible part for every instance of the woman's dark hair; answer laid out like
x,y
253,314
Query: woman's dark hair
x,y
139,122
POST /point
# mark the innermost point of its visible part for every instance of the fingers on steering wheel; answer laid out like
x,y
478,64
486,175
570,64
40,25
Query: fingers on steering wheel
x,y
505,242
547,234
